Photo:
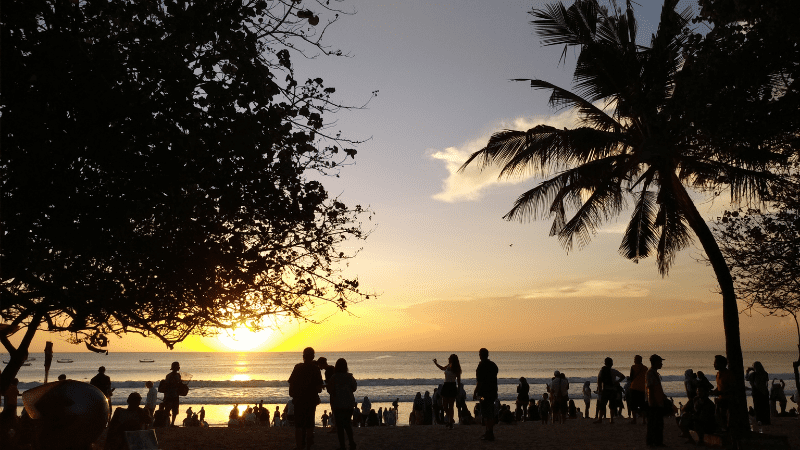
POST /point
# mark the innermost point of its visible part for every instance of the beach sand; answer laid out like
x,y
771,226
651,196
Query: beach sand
x,y
575,434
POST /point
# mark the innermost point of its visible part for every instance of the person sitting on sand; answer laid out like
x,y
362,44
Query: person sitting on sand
x,y
161,417
607,388
132,418
544,409
250,418
234,414
698,415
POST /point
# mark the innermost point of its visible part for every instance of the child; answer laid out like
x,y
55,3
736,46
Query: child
x,y
544,409
325,419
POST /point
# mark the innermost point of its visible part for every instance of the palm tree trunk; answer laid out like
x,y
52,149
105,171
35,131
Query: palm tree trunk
x,y
738,420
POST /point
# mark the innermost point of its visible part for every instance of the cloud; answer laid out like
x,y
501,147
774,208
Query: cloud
x,y
593,288
472,183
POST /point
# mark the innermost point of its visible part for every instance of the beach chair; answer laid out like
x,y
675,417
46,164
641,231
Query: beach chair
x,y
141,440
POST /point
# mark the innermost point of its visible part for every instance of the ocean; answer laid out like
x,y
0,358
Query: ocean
x,y
220,380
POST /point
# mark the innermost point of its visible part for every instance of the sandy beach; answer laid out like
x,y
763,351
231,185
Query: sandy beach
x,y
575,434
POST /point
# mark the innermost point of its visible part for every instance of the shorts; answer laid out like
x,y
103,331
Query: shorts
x,y
487,407
607,396
450,390
304,416
172,404
559,405
636,400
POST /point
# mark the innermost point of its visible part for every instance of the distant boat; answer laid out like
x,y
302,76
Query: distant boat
x,y
64,360
147,360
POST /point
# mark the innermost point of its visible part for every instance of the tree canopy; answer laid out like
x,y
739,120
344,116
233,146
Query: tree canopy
x,y
162,168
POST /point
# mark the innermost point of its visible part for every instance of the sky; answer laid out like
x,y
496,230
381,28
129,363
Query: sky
x,y
448,271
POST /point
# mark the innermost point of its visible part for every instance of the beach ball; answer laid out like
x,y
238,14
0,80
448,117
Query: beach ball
x,y
70,413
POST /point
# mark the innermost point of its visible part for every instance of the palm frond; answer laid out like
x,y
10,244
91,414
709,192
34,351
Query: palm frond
x,y
559,25
641,235
587,112
674,228
747,180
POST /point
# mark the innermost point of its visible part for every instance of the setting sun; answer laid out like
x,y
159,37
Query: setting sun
x,y
243,339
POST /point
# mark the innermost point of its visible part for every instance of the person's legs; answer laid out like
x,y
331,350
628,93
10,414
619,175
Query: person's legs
x,y
448,409
587,404
487,411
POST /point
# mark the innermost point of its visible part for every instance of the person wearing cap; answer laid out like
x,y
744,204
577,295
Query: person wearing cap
x,y
171,397
636,397
305,384
657,401
607,379
132,418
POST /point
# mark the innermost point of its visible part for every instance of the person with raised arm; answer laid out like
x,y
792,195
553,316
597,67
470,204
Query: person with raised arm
x,y
449,391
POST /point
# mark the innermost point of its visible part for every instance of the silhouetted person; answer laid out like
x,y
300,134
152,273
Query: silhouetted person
x,y
759,380
132,418
607,389
62,377
636,396
656,400
523,396
486,391
725,388
171,396
102,381
305,384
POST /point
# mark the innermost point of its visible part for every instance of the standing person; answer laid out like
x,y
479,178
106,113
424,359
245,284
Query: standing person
x,y
103,382
171,385
427,412
152,398
366,405
587,397
449,391
327,371
656,400
342,386
523,396
758,379
418,410
725,389
636,397
606,387
276,419
486,391
305,384
558,404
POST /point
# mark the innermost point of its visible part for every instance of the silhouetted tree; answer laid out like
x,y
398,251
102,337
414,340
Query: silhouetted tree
x,y
762,248
637,144
161,167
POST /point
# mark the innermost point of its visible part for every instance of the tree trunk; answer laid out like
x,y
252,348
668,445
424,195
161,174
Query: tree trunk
x,y
738,421
18,355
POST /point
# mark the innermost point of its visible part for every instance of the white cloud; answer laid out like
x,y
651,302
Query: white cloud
x,y
593,288
470,184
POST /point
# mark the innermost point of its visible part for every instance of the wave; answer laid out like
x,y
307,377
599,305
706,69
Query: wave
x,y
575,382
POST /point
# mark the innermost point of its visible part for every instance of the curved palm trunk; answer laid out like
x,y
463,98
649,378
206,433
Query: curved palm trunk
x,y
739,422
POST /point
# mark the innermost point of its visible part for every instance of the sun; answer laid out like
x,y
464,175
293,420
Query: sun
x,y
243,339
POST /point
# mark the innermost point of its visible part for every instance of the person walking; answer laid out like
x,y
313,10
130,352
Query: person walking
x,y
657,401
523,396
305,384
486,391
607,389
449,391
341,387
636,396
170,389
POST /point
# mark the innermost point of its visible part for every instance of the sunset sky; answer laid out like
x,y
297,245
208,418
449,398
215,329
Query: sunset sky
x,y
450,274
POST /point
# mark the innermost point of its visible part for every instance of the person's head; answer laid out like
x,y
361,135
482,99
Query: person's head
x,y
322,363
308,354
556,374
341,365
101,369
656,361
608,362
545,396
176,366
62,377
637,359
148,384
562,376
134,399
427,394
523,380
758,366
455,365
483,354
586,384
720,362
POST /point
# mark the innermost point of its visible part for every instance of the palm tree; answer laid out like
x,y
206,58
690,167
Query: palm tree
x,y
635,147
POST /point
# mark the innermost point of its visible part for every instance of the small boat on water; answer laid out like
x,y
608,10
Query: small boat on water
x,y
146,360
64,360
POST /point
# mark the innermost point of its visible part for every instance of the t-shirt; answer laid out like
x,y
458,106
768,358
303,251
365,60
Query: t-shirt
x,y
305,384
172,379
638,372
103,382
486,376
655,393
606,378
725,383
